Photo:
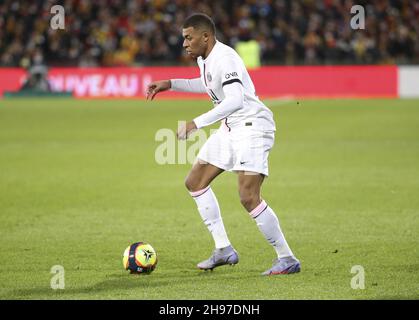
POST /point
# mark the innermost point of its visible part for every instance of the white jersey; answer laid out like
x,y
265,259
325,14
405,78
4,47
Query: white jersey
x,y
224,67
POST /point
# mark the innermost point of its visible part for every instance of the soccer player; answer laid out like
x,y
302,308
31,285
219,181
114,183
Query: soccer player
x,y
241,144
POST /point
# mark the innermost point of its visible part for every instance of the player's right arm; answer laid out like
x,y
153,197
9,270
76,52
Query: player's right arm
x,y
156,87
188,85
182,85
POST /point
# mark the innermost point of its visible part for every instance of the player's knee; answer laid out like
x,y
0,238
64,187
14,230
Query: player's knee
x,y
249,201
193,185
189,184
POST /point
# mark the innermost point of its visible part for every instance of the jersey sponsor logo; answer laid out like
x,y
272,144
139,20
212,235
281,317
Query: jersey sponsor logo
x,y
231,74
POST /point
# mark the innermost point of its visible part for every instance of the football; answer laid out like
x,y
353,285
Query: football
x,y
140,258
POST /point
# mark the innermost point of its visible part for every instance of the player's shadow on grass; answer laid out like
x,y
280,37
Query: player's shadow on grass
x,y
114,283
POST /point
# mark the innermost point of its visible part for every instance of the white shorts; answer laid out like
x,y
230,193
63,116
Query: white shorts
x,y
242,149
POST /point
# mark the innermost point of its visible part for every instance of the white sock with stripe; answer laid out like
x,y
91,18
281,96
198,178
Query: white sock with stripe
x,y
210,212
268,224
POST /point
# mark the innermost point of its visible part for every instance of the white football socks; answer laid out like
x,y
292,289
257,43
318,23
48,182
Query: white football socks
x,y
210,212
268,224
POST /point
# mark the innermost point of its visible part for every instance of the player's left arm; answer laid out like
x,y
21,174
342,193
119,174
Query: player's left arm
x,y
231,81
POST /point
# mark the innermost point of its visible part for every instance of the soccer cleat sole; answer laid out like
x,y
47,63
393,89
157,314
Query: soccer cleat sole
x,y
219,265
224,264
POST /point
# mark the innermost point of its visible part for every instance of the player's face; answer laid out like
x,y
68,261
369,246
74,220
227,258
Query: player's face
x,y
195,42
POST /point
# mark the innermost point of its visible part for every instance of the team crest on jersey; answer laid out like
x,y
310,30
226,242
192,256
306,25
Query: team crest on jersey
x,y
209,77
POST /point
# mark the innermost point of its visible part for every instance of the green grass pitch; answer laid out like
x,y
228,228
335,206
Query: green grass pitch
x,y
79,183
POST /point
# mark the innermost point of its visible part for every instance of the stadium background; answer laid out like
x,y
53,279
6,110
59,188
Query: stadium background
x,y
129,33
133,32
79,180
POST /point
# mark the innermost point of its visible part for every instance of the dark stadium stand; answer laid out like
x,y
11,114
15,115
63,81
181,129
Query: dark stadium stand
x,y
138,32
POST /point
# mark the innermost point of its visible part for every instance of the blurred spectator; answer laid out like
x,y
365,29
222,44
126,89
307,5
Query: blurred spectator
x,y
249,51
145,32
37,80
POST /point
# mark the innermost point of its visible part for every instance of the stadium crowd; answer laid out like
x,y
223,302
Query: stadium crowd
x,y
146,32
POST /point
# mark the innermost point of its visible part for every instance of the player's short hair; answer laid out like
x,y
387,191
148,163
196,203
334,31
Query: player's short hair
x,y
200,21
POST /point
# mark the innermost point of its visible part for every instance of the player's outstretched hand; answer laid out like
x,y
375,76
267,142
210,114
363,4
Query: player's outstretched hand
x,y
156,87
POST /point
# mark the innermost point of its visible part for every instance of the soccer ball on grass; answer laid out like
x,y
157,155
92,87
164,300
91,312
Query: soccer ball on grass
x,y
140,258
